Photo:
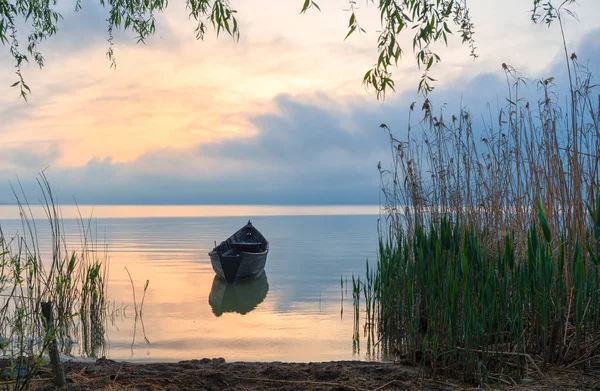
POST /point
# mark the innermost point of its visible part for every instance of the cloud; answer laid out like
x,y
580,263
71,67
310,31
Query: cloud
x,y
303,154
33,156
298,132
311,148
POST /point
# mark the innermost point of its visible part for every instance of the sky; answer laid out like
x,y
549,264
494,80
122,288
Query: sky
x,y
279,117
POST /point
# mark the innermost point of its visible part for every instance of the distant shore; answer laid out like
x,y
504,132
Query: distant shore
x,y
11,211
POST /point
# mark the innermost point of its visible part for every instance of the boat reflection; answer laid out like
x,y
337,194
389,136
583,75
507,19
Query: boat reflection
x,y
241,297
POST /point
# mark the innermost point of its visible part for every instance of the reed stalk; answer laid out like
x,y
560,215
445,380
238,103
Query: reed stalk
x,y
489,248
75,282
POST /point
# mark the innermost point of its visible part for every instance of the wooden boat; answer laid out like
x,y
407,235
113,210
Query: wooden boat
x,y
242,255
241,297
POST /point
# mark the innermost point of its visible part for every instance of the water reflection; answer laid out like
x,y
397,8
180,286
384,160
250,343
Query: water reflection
x,y
93,334
295,316
88,331
241,297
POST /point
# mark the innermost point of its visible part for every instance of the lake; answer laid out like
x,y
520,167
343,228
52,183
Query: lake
x,y
294,312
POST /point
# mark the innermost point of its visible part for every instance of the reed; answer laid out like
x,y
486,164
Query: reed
x,y
491,177
443,300
75,282
490,239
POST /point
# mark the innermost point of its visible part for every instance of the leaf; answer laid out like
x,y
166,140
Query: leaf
x,y
305,6
352,29
15,84
429,63
544,223
593,257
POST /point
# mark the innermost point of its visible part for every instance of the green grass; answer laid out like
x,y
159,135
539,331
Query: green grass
x,y
442,300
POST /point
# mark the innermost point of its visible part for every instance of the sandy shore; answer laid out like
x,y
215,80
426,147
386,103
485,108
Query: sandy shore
x,y
216,374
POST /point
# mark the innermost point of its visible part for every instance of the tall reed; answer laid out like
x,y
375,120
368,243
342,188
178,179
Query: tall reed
x,y
75,282
490,242
491,177
444,300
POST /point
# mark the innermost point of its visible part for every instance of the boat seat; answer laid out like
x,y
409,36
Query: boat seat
x,y
246,243
231,252
251,247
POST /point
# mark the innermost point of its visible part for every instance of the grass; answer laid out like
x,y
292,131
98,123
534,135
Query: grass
x,y
75,282
489,247
445,301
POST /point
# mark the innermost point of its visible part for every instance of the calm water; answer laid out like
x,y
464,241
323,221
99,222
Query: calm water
x,y
292,313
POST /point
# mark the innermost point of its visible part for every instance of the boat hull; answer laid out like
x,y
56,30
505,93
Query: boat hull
x,y
236,268
243,255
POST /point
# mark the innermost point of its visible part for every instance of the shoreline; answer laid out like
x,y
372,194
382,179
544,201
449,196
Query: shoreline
x,y
85,360
217,374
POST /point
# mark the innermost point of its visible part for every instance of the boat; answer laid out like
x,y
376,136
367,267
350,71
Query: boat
x,y
243,255
241,297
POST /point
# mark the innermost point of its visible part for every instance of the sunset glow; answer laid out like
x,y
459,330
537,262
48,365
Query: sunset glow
x,y
176,98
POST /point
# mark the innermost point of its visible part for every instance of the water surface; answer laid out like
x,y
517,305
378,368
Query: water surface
x,y
292,313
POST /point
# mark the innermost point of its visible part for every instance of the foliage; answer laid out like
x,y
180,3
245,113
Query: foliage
x,y
438,297
491,261
134,15
430,20
74,282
